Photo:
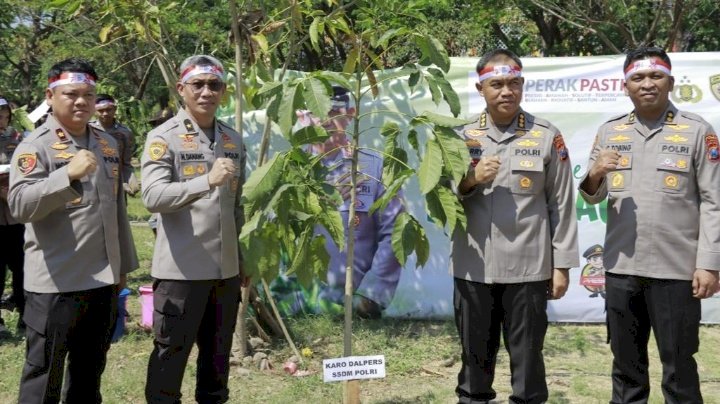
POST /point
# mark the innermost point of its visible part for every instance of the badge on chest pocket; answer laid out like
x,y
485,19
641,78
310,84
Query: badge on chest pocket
x,y
527,174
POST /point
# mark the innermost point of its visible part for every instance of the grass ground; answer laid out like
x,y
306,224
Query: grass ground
x,y
421,356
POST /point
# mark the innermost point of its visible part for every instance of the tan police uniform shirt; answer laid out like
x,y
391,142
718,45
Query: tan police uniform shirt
x,y
199,225
8,142
126,144
522,224
77,236
663,199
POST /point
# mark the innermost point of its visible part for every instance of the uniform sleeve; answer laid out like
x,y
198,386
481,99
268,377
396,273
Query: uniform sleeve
x,y
128,148
380,282
602,191
159,192
708,178
38,192
561,208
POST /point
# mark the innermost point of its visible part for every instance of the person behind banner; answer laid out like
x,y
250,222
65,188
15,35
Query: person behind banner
x,y
65,185
520,239
192,177
658,168
376,270
106,108
11,232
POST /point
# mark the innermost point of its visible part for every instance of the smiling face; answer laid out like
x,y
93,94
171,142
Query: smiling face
x,y
202,94
649,90
73,105
502,93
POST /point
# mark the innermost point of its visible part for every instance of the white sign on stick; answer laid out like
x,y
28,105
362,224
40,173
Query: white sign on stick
x,y
354,367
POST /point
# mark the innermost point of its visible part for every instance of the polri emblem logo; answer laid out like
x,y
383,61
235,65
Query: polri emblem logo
x,y
715,86
685,91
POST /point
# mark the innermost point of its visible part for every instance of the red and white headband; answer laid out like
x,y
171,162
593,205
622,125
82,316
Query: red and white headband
x,y
194,70
105,103
647,64
71,78
499,70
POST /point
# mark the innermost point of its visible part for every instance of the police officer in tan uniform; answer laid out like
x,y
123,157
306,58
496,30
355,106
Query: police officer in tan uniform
x,y
106,108
193,171
520,240
65,185
11,232
659,169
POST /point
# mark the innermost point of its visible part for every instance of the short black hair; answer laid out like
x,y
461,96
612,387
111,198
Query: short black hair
x,y
644,52
488,56
74,65
340,93
104,97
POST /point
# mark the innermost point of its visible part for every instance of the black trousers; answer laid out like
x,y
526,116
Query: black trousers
x,y
187,312
481,312
13,258
635,305
76,325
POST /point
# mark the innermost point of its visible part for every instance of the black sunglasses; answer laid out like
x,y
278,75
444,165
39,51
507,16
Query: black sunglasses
x,y
212,85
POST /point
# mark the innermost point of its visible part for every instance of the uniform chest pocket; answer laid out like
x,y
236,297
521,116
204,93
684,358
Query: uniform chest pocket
x,y
527,175
621,179
192,169
673,173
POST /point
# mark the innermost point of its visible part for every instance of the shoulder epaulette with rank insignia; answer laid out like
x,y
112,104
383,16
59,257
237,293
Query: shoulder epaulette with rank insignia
x,y
482,122
189,126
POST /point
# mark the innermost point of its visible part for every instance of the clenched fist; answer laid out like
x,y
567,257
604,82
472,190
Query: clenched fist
x,y
486,170
82,164
222,170
605,162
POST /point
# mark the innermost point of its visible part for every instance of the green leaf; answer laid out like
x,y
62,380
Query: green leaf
x,y
453,209
286,111
390,130
338,78
443,120
390,34
332,220
139,28
316,97
272,87
264,178
431,166
449,93
433,51
409,236
413,80
351,61
455,154
434,90
309,135
251,225
262,42
313,31
413,139
394,163
104,31
434,208
58,3
391,190
301,247
261,254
